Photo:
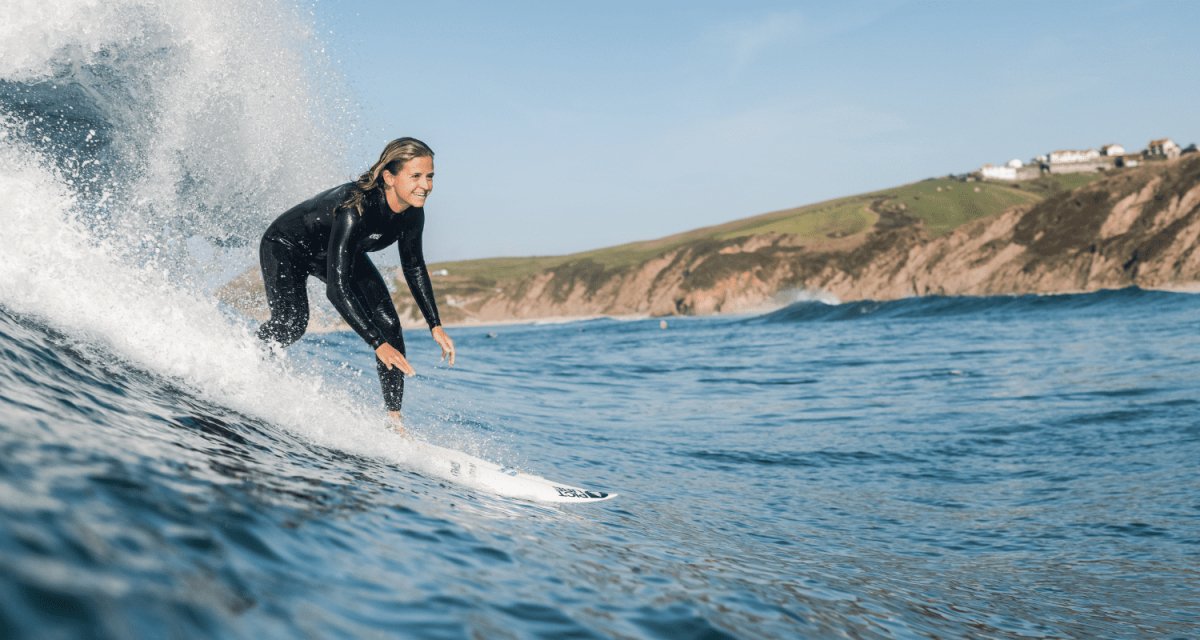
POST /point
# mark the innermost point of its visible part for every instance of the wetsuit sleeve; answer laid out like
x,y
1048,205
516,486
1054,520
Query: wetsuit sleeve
x,y
416,274
339,276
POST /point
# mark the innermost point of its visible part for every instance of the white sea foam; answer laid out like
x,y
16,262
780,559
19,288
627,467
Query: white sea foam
x,y
793,296
209,114
208,123
53,269
138,140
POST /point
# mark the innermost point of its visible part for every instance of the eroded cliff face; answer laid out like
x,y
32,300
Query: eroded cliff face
x,y
1136,227
703,278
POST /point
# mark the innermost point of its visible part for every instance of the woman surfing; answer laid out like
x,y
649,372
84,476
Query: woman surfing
x,y
329,236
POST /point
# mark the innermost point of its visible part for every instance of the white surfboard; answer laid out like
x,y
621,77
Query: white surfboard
x,y
465,469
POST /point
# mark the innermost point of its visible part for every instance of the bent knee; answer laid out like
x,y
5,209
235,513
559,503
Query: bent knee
x,y
284,332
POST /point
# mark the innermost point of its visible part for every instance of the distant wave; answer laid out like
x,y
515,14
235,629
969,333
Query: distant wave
x,y
934,306
819,459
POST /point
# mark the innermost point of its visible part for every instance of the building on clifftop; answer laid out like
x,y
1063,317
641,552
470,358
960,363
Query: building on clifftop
x,y
1012,170
992,172
1078,161
1162,149
1069,156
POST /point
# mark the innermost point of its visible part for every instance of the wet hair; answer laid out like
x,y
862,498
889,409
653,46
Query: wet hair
x,y
394,155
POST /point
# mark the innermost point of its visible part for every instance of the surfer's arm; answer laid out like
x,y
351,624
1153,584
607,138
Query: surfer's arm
x,y
416,274
339,275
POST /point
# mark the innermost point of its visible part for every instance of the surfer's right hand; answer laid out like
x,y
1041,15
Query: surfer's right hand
x,y
392,358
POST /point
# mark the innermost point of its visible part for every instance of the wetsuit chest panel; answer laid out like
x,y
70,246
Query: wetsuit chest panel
x,y
380,227
307,226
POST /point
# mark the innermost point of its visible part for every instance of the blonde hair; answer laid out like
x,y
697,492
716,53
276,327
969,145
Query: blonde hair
x,y
394,155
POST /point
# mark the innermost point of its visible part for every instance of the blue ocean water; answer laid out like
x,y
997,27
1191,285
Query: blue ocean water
x,y
981,467
985,467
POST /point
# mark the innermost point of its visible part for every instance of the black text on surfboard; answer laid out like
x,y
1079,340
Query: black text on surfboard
x,y
568,492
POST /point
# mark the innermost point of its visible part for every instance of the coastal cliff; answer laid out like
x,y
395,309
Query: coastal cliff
x,y
1132,227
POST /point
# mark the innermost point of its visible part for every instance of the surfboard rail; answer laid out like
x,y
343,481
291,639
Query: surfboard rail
x,y
468,470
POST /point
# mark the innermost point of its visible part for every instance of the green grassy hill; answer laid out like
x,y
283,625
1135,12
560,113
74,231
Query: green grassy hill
x,y
939,204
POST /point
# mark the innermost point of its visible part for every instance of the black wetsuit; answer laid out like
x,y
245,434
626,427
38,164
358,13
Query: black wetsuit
x,y
320,238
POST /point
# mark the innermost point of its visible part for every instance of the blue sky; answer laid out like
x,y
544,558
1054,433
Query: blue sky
x,y
566,126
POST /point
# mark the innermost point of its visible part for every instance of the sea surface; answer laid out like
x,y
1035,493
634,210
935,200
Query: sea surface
x,y
992,467
983,467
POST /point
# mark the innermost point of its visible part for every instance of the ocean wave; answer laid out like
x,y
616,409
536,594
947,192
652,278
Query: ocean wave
x,y
136,137
170,120
939,306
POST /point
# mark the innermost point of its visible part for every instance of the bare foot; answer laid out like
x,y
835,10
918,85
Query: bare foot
x,y
396,423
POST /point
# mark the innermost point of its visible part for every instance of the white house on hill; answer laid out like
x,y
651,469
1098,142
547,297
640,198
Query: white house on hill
x,y
1071,155
992,172
1162,148
1112,150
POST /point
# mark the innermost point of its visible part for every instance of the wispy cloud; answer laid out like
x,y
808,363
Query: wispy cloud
x,y
748,40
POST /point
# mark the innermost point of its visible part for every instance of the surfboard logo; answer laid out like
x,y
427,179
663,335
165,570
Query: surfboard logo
x,y
568,492
375,236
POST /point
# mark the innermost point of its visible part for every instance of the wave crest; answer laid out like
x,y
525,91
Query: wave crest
x,y
934,306
172,120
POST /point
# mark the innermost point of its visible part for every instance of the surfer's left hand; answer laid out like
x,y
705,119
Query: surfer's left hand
x,y
444,341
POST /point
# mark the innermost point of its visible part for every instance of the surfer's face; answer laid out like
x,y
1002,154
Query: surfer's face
x,y
411,185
